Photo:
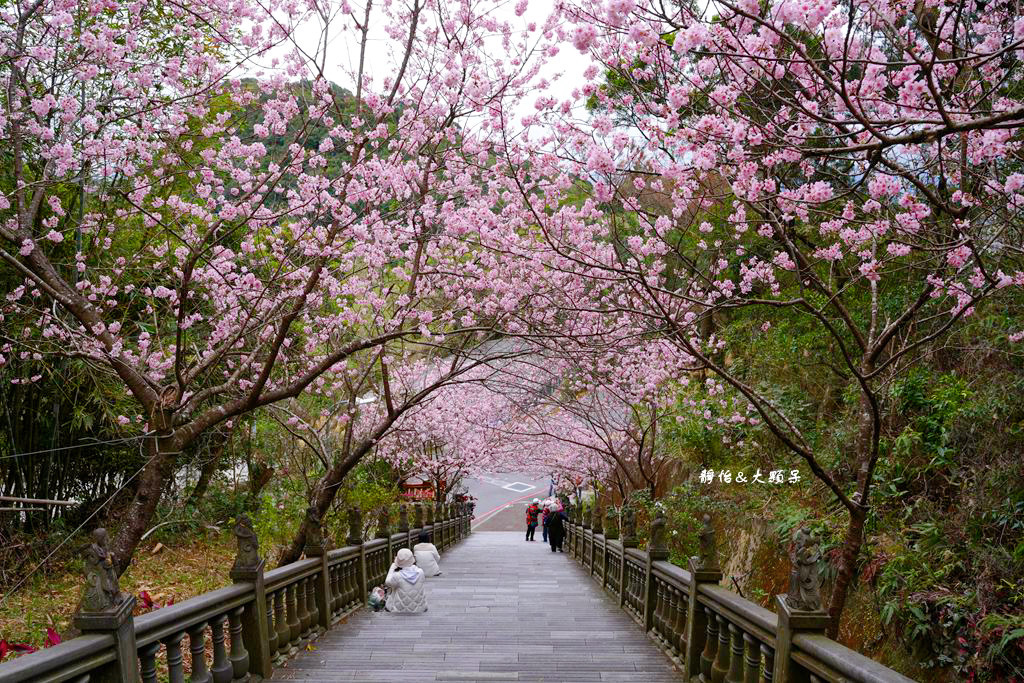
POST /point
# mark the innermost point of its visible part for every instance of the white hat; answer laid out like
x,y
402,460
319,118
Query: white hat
x,y
404,558
536,500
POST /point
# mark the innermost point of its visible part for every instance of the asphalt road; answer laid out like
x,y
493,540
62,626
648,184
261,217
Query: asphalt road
x,y
502,499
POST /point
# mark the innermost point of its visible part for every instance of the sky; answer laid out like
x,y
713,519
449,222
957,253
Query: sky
x,y
384,51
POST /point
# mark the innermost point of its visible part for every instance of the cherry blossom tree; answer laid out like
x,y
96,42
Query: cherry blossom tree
x,y
854,167
197,212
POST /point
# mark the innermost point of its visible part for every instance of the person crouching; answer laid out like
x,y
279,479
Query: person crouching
x,y
427,557
405,585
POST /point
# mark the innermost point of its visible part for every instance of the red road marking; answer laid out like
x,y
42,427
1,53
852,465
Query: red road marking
x,y
503,505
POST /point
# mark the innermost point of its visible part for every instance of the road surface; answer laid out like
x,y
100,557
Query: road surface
x,y
502,499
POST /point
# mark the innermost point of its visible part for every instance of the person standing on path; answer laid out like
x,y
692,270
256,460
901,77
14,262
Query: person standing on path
x,y
532,512
556,526
405,585
544,515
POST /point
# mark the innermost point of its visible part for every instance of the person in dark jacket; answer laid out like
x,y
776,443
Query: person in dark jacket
x,y
545,513
556,526
532,513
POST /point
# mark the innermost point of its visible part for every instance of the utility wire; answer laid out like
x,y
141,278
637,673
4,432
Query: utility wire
x,y
25,578
128,439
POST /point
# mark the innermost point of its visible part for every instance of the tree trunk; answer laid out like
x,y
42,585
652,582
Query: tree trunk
x,y
209,468
163,454
847,563
326,490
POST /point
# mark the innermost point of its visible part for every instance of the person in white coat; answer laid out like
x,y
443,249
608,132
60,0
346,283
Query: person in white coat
x,y
405,585
427,556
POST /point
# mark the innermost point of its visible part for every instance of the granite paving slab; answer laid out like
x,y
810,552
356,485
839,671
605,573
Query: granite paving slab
x,y
504,610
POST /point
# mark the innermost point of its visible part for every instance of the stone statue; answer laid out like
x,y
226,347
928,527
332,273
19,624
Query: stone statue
x,y
708,558
384,523
248,554
314,529
804,580
101,590
658,542
403,518
417,509
355,526
628,523
611,525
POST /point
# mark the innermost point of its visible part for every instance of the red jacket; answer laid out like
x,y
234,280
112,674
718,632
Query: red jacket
x,y
531,513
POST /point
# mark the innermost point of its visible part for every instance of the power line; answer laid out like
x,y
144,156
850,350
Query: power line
x,y
25,578
128,439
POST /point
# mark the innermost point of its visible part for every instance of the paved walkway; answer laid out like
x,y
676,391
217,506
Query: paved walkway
x,y
504,610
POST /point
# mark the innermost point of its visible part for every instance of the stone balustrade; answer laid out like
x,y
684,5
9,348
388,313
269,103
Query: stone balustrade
x,y
712,634
255,624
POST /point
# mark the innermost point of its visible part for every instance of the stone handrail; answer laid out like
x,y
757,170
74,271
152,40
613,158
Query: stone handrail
x,y
255,624
711,633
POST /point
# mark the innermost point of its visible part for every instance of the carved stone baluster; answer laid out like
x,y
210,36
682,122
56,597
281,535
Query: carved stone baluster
x,y
147,655
271,626
311,606
282,623
175,659
679,627
294,626
239,655
335,572
671,610
197,648
722,659
659,608
736,655
768,655
751,659
707,657
302,587
221,671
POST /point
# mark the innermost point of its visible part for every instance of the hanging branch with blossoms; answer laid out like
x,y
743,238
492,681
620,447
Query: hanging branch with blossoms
x,y
854,166
196,212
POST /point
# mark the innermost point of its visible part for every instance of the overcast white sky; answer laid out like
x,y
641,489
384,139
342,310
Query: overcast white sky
x,y
383,52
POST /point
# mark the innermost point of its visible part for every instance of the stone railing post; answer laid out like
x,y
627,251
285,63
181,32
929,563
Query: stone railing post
x,y
595,527
316,547
703,569
799,610
403,524
248,568
657,551
418,521
629,540
611,533
384,529
439,525
355,537
106,609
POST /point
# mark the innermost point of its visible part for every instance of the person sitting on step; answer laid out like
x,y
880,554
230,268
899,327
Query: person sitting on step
x,y
427,556
405,585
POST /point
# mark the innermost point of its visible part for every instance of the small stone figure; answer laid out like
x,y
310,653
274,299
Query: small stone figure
x,y
403,518
248,555
384,523
611,525
101,590
314,529
708,558
355,526
804,580
658,542
628,523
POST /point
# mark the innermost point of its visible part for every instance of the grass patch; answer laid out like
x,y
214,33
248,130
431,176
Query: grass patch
x,y
186,566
